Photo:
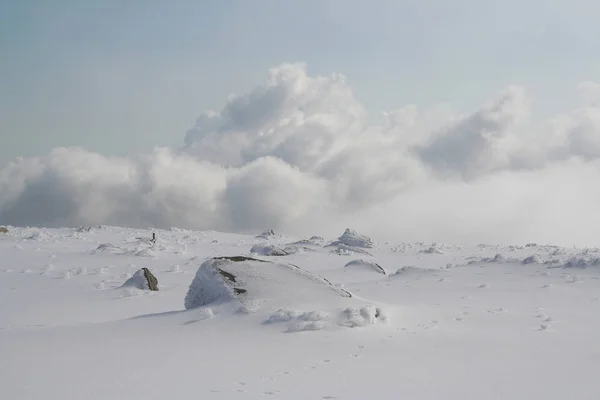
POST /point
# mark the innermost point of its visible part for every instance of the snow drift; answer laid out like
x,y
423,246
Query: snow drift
x,y
361,264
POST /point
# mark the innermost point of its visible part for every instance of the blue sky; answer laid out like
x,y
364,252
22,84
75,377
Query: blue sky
x,y
122,76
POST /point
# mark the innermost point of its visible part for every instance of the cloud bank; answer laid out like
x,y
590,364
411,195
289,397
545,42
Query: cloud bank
x,y
299,153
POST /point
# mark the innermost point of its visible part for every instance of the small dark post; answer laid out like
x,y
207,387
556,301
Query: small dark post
x,y
153,237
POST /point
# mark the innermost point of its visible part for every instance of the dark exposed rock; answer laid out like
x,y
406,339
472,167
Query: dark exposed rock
x,y
151,279
142,279
3,229
237,258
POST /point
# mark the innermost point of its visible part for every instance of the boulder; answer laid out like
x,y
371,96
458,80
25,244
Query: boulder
x,y
247,281
142,279
3,229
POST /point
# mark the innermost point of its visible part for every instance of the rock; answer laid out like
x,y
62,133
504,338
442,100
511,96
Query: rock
x,y
152,281
142,279
84,228
3,229
353,239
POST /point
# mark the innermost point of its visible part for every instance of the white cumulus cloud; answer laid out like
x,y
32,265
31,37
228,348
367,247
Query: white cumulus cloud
x,y
299,153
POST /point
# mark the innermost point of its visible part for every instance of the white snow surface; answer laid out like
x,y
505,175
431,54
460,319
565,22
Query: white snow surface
x,y
457,323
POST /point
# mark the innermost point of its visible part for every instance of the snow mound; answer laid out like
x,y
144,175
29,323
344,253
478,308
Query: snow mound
x,y
366,265
582,262
313,241
350,317
431,250
353,317
533,259
346,250
108,248
411,271
266,234
40,236
498,258
353,239
272,250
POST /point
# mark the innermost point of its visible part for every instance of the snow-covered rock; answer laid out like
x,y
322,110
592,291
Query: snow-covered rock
x,y
582,262
431,250
353,239
142,279
269,233
533,259
409,271
281,293
313,241
366,265
271,250
346,250
244,279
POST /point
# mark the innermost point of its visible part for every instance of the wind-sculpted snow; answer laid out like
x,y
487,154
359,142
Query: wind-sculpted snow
x,y
292,325
366,265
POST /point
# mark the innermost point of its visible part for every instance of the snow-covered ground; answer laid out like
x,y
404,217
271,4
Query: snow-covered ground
x,y
484,322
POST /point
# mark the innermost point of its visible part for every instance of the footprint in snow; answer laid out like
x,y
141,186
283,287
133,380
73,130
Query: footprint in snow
x,y
573,279
544,317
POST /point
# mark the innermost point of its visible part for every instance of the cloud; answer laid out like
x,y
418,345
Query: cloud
x,y
476,145
590,91
299,153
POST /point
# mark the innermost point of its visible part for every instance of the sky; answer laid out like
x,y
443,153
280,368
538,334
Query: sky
x,y
123,76
462,91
